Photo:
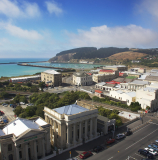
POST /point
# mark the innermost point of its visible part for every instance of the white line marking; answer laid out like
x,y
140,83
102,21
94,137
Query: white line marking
x,y
110,158
140,129
141,139
139,155
153,123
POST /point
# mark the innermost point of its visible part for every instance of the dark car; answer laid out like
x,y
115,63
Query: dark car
x,y
146,153
109,141
98,148
128,133
85,154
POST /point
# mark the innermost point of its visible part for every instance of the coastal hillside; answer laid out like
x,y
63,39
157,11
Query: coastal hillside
x,y
87,53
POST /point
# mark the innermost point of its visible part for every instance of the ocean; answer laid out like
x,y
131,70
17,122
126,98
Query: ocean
x,y
13,70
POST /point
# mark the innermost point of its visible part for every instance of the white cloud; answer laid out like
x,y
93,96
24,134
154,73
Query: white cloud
x,y
123,36
14,9
52,7
150,6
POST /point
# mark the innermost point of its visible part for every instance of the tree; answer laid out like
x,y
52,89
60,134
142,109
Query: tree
x,y
147,108
18,110
31,110
23,99
42,85
29,84
4,94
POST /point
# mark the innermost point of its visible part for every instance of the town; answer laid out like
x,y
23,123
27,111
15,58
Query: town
x,y
81,115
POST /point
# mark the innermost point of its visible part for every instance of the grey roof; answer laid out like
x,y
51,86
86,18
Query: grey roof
x,y
119,79
81,74
101,84
142,77
110,85
131,94
70,109
151,78
150,89
1,133
139,82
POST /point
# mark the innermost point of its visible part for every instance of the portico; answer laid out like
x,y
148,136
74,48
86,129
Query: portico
x,y
73,125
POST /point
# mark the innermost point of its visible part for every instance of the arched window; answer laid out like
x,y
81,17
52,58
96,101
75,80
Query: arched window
x,y
10,157
9,147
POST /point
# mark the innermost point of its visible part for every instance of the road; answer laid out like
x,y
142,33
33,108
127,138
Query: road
x,y
130,145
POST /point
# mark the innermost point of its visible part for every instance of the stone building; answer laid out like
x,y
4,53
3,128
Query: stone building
x,y
51,77
72,125
24,139
82,78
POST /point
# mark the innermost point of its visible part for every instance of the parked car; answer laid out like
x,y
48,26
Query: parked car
x,y
98,148
146,153
1,113
13,105
156,141
30,104
85,154
109,141
128,133
152,147
22,103
5,105
120,136
152,151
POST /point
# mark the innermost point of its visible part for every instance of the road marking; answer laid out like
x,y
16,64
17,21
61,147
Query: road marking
x,y
153,123
140,139
139,155
110,158
141,129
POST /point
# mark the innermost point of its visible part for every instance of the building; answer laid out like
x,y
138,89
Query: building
x,y
133,86
98,93
109,71
25,79
148,97
117,67
51,77
123,95
72,125
140,70
82,79
25,139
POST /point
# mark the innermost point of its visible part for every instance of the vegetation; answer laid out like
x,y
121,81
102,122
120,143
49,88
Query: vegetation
x,y
51,100
110,114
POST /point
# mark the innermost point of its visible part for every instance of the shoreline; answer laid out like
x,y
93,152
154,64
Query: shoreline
x,y
24,62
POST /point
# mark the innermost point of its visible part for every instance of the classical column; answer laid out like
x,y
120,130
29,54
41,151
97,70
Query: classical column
x,y
80,132
68,135
91,126
17,153
74,134
35,150
85,130
43,148
26,151
95,126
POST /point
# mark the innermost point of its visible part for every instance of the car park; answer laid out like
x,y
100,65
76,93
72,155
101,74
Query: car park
x,y
98,148
145,153
109,141
120,136
85,154
152,151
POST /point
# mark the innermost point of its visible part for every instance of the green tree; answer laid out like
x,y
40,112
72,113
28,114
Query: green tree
x,y
23,99
42,85
18,110
31,110
29,84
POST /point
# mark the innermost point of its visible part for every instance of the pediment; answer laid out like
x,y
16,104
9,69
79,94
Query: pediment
x,y
30,134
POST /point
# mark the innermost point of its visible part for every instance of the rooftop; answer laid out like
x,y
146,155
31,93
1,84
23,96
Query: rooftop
x,y
115,66
81,74
98,91
106,70
50,71
150,89
139,82
25,77
101,84
70,109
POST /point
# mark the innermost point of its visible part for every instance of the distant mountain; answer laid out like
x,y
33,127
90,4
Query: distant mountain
x,y
87,53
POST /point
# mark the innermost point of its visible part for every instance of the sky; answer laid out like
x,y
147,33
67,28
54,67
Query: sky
x,y
43,28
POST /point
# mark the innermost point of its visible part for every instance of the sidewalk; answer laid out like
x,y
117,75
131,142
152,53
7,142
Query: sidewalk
x,y
99,141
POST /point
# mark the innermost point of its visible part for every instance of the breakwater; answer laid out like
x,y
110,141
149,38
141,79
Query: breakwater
x,y
24,62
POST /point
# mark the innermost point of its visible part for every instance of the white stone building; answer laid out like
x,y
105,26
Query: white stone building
x,y
123,95
82,79
24,139
148,97
72,125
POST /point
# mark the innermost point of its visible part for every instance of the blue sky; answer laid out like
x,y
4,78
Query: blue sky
x,y
42,28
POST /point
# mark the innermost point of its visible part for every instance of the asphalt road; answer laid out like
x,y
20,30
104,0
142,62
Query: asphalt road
x,y
129,146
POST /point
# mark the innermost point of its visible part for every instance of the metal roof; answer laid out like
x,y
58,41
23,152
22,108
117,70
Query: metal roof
x,y
26,77
50,71
1,133
101,84
150,89
70,109
139,82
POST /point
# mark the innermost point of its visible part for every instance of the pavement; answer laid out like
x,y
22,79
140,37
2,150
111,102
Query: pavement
x,y
101,141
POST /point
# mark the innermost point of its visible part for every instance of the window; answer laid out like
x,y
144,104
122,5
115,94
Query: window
x,y
20,154
9,147
10,157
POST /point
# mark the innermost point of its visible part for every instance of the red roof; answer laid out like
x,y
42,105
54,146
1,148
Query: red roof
x,y
121,74
98,91
113,82
106,70
89,74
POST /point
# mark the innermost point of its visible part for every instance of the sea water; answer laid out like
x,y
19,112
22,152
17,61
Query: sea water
x,y
13,70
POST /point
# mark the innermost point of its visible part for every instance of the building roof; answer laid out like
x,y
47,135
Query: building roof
x,y
40,122
50,71
1,133
131,94
113,82
150,89
139,82
115,66
70,109
98,91
19,126
142,77
101,84
26,77
151,78
81,74
106,70
119,79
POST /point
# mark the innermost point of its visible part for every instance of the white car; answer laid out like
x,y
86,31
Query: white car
x,y
22,102
156,141
120,136
152,151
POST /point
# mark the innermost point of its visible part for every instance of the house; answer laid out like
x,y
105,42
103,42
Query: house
x,y
25,139
82,79
72,125
98,93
